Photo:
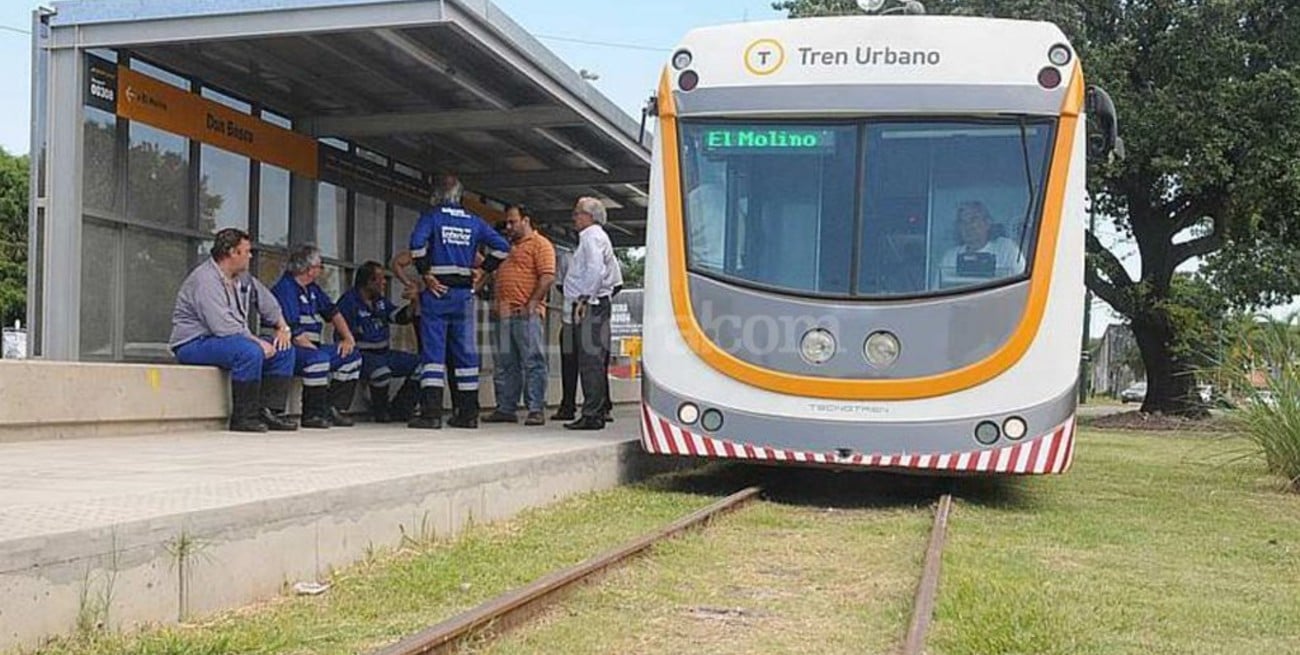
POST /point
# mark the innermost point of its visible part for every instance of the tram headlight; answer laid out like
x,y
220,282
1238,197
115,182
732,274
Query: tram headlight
x,y
986,432
1059,54
1014,427
881,349
688,413
817,346
711,420
681,59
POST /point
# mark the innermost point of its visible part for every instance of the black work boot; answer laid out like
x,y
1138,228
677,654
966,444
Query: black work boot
x,y
430,417
275,396
403,404
245,403
466,411
315,407
379,403
341,394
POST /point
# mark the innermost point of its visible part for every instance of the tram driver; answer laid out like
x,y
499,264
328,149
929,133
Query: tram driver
x,y
981,255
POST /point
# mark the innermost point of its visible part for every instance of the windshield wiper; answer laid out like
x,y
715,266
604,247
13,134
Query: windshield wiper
x,y
1029,184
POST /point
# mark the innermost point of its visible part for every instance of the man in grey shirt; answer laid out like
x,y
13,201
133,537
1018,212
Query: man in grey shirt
x,y
210,327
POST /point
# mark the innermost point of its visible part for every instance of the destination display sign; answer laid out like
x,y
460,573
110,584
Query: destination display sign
x,y
740,140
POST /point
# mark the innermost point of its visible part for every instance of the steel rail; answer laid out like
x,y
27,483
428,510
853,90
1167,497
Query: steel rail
x,y
506,610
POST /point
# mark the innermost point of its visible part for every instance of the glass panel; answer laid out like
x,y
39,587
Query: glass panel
x,y
99,177
950,204
276,119
273,206
335,143
370,220
233,103
331,219
155,268
160,74
404,219
223,189
270,265
159,177
372,156
771,203
107,54
99,260
409,171
333,279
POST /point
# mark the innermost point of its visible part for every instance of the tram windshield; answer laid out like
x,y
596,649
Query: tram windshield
x,y
865,209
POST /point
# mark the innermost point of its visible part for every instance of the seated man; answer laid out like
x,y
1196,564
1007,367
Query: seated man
x,y
368,312
306,308
979,256
210,327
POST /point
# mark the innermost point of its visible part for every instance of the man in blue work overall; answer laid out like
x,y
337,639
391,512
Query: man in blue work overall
x,y
329,370
368,312
443,245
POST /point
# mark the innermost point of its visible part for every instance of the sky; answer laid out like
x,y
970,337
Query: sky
x,y
624,43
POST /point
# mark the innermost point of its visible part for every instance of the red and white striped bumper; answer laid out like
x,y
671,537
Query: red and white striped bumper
x,y
1049,453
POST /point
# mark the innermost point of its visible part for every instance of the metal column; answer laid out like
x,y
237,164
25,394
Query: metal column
x,y
60,315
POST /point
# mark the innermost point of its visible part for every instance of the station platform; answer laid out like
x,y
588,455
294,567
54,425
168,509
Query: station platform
x,y
156,528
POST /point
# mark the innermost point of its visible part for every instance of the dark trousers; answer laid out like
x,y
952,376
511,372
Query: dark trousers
x,y
569,371
592,334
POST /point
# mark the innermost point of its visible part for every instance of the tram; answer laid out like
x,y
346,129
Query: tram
x,y
865,244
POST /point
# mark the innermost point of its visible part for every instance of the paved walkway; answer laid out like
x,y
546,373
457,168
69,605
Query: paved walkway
x,y
52,487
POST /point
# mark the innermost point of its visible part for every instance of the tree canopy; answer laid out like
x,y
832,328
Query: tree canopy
x,y
13,237
1208,97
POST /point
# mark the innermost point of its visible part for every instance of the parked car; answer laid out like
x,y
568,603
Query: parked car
x,y
1205,392
1135,393
1264,397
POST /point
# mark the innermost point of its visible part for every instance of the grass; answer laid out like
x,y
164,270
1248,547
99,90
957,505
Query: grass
x,y
1169,543
771,578
1274,427
393,594
1150,544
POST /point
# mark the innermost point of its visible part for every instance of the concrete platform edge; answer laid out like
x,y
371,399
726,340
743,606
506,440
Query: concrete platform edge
x,y
180,567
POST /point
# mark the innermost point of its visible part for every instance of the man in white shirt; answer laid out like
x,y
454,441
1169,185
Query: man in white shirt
x,y
588,285
973,225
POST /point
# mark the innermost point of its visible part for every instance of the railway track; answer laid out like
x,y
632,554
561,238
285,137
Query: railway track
x,y
923,605
515,607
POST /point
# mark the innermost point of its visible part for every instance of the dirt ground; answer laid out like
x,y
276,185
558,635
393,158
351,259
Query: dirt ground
x,y
1136,420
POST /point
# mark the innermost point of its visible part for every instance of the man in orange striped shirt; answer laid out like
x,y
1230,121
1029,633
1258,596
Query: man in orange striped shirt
x,y
520,287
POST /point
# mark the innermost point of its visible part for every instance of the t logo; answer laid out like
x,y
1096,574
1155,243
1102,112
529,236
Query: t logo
x,y
764,57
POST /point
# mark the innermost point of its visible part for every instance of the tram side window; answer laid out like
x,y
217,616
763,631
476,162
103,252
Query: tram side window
x,y
761,208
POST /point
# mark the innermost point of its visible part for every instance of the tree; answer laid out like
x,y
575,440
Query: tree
x,y
1208,96
13,237
633,262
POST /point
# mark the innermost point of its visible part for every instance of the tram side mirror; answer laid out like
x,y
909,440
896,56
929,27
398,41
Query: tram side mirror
x,y
650,108
1106,142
